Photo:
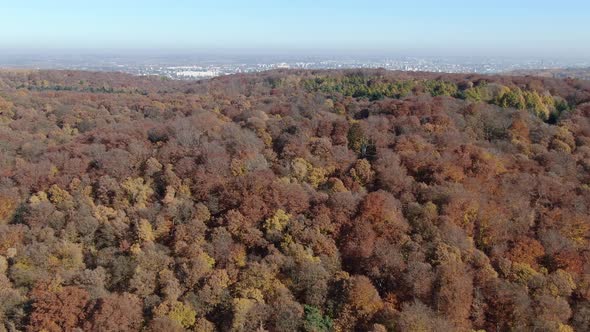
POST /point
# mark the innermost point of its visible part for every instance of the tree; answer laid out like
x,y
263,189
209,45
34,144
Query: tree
x,y
512,98
356,138
362,172
363,297
116,312
138,192
56,307
315,321
418,317
176,311
453,296
7,208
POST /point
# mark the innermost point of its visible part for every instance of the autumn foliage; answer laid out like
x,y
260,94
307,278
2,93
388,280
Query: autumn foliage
x,y
294,201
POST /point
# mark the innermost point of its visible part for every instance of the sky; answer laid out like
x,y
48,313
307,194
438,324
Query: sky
x,y
499,27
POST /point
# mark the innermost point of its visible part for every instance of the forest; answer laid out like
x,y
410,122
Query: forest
x,y
294,200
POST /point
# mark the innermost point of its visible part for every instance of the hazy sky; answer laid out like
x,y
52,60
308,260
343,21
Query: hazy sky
x,y
496,27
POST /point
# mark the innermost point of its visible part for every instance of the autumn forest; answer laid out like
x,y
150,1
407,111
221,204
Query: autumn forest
x,y
293,200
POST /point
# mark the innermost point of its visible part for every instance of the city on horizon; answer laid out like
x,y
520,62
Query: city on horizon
x,y
228,36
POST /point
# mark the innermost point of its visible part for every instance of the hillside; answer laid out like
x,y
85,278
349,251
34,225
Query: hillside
x,y
294,201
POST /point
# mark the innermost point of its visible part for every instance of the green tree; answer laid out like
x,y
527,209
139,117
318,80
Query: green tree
x,y
512,98
315,321
356,138
440,88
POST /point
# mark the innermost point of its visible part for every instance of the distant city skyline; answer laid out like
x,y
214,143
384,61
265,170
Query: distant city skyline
x,y
438,28
203,65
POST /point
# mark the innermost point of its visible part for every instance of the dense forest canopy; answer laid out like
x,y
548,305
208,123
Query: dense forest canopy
x,y
294,201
